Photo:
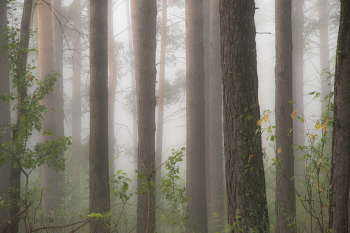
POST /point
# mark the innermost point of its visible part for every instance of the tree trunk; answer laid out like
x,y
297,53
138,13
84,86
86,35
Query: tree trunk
x,y
22,93
49,176
215,117
146,115
341,135
195,120
285,194
324,49
76,102
133,81
136,22
298,86
111,88
206,45
58,65
98,158
159,143
245,180
5,118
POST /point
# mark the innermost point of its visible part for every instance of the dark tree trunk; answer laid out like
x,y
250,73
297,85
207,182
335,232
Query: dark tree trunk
x,y
98,158
111,88
22,93
341,127
215,122
49,176
298,85
195,120
245,180
146,104
58,64
136,22
5,118
285,193
206,45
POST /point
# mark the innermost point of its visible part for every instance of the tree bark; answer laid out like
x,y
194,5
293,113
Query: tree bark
x,y
206,45
285,194
136,22
298,86
215,122
324,49
133,80
195,120
245,179
111,88
98,158
159,142
22,93
338,219
146,103
5,118
58,65
49,176
76,100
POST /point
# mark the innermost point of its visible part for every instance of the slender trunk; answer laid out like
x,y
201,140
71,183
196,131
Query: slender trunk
x,y
133,81
206,44
5,118
338,220
22,93
136,22
58,64
49,176
76,101
195,120
285,194
215,117
112,88
298,86
245,179
146,115
98,157
159,143
324,49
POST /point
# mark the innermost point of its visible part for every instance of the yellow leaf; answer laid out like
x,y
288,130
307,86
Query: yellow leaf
x,y
30,77
259,122
302,120
266,117
318,125
279,150
312,136
274,160
293,115
250,156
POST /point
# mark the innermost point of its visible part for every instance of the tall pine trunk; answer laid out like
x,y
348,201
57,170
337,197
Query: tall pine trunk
x,y
324,48
159,142
195,119
76,100
49,176
339,209
111,88
285,193
133,80
5,118
58,65
136,24
245,179
22,93
146,103
298,86
98,158
215,122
